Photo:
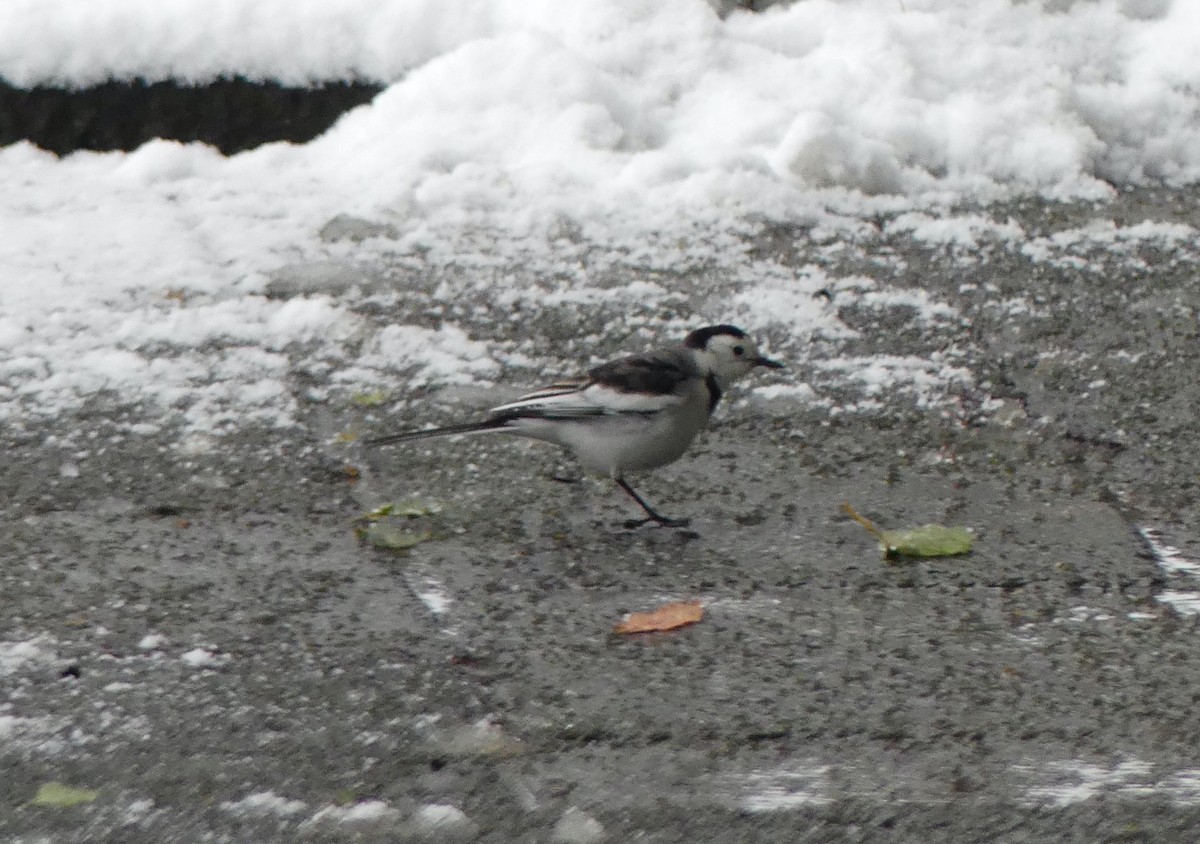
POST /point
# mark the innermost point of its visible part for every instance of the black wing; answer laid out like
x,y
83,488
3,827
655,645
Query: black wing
x,y
657,375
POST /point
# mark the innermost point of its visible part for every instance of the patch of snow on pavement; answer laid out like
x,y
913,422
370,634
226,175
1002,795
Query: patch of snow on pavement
x,y
782,789
22,655
515,138
1182,569
1065,783
264,803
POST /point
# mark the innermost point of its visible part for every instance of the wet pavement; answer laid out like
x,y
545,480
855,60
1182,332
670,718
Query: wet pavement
x,y
194,631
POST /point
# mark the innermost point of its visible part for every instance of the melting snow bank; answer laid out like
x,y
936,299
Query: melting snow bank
x,y
872,94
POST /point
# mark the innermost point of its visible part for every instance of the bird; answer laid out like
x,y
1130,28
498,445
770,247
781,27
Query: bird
x,y
631,414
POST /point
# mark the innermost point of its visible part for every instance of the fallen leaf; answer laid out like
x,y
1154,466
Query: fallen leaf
x,y
392,538
928,541
372,398
63,796
380,511
411,508
923,541
399,526
666,617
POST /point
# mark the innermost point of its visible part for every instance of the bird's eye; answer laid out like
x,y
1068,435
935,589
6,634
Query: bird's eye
x,y
739,350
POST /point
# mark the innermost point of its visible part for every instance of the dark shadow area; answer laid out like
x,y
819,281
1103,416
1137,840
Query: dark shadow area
x,y
230,114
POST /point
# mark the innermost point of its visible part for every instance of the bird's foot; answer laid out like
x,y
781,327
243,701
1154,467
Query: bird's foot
x,y
651,515
661,521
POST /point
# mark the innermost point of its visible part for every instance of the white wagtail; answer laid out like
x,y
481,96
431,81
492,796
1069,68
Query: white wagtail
x,y
633,413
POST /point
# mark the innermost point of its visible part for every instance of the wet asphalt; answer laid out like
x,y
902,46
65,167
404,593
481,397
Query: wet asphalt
x,y
207,625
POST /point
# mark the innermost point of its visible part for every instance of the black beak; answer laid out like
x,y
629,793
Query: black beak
x,y
767,362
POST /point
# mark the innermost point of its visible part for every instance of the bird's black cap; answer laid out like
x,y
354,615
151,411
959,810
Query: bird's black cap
x,y
699,338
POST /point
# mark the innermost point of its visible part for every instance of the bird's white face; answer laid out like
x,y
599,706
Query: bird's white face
x,y
729,357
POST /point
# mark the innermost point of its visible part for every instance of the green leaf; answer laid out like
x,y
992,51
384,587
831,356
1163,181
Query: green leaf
x,y
389,537
372,398
381,511
924,541
927,541
63,796
410,508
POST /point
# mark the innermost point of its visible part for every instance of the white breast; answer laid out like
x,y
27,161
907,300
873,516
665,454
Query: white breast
x,y
627,442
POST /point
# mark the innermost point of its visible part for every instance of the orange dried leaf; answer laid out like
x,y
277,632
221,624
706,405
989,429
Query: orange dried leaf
x,y
666,617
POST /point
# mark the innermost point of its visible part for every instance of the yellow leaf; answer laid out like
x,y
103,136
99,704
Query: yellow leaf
x,y
372,398
63,796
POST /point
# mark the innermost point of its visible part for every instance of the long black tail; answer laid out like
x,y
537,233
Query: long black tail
x,y
495,424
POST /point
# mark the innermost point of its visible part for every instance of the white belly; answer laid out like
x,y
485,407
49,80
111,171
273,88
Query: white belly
x,y
614,445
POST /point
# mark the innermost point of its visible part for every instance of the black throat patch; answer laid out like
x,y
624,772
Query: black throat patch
x,y
714,392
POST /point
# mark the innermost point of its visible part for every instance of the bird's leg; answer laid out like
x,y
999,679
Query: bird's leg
x,y
653,516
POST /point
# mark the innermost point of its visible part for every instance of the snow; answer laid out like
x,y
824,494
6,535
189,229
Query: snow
x,y
796,393
152,642
367,813
264,803
577,827
435,597
22,655
203,658
36,735
512,139
883,374
1067,782
964,231
440,818
785,788
1088,247
446,356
